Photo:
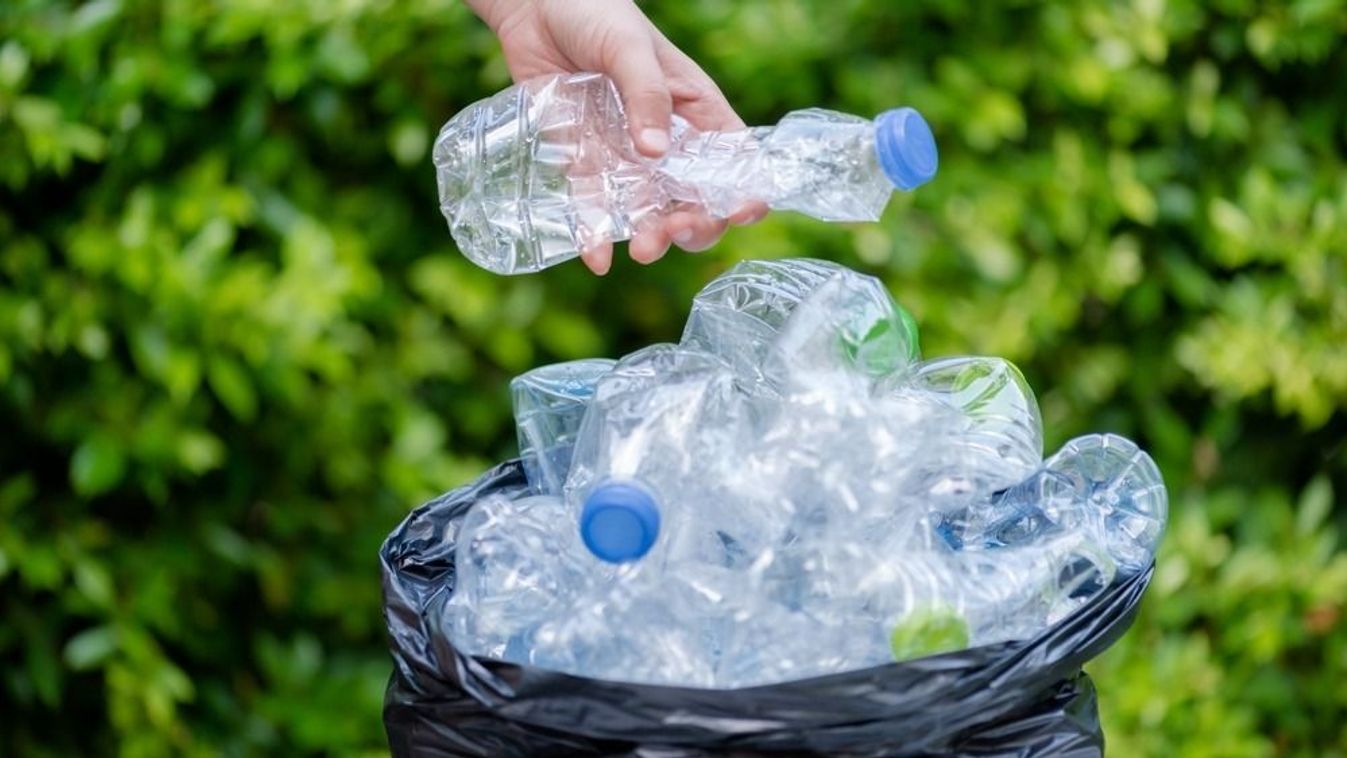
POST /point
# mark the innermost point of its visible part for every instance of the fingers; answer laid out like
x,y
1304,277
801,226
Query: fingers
x,y
634,67
694,232
695,94
749,213
649,246
598,257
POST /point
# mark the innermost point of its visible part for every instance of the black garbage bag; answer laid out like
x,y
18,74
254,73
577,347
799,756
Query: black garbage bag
x,y
1012,699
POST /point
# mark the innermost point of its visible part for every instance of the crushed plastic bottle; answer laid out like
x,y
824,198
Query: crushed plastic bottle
x,y
531,176
1126,501
738,315
770,319
848,330
659,428
514,569
1101,485
549,404
997,439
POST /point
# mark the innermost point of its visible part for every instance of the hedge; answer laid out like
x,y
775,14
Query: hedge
x,y
237,343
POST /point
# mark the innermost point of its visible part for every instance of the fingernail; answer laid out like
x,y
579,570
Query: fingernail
x,y
596,264
655,140
682,236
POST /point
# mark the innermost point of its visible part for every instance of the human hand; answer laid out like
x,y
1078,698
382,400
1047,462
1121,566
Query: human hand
x,y
654,78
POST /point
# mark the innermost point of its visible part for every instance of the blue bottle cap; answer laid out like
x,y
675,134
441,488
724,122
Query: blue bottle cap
x,y
619,522
906,148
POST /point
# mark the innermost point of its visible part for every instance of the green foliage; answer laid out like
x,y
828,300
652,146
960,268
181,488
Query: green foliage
x,y
236,343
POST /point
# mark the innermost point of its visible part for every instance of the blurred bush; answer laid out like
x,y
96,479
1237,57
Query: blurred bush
x,y
237,345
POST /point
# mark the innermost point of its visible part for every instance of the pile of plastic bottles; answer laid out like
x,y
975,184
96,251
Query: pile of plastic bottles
x,y
789,492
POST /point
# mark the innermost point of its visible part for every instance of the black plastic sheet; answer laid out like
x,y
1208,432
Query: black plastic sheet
x,y
1025,698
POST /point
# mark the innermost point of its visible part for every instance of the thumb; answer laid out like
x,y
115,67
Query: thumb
x,y
640,79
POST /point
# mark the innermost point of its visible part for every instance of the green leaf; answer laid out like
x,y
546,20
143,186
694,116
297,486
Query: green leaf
x,y
97,466
1316,503
44,671
199,451
407,141
14,60
231,384
94,581
90,647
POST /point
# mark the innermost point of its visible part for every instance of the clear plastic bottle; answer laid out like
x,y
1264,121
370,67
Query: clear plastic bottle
x,y
1000,595
996,440
514,569
738,315
652,425
846,334
773,319
549,404
534,174
1126,503
1099,485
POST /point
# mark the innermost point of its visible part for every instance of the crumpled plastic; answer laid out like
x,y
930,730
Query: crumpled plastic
x,y
1026,698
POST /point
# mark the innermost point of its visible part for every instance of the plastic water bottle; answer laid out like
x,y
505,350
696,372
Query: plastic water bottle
x,y
993,442
738,315
549,404
798,315
1101,485
531,176
1001,412
1002,595
649,626
514,569
653,458
844,336
1126,502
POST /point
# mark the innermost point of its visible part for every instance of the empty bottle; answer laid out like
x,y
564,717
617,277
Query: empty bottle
x,y
1041,504
994,442
1002,595
738,315
846,334
795,306
514,568
1126,503
1099,485
649,626
549,404
531,176
653,459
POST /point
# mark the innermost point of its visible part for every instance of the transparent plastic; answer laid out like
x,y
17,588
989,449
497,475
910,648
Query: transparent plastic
x,y
772,319
667,421
790,493
549,404
515,569
531,176
996,440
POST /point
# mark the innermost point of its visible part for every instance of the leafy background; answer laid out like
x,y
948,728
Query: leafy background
x,y
237,344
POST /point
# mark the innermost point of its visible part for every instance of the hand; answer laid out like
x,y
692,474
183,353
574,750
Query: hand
x,y
654,78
